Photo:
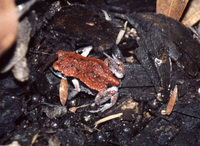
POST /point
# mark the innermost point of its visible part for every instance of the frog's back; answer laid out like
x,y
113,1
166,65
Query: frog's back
x,y
91,71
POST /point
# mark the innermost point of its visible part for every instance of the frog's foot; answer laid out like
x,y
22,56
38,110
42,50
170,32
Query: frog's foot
x,y
76,89
58,73
103,96
115,65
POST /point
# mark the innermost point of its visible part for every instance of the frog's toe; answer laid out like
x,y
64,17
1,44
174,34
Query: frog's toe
x,y
113,100
104,107
94,111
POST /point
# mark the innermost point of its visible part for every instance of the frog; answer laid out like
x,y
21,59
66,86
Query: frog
x,y
96,74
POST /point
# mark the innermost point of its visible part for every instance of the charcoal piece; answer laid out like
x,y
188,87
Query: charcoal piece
x,y
162,131
10,110
71,136
157,30
83,25
161,40
139,93
136,76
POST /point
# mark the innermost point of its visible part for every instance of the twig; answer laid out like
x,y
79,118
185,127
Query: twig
x,y
108,118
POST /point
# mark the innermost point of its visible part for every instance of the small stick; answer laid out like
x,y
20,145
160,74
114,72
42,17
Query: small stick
x,y
121,33
108,118
73,109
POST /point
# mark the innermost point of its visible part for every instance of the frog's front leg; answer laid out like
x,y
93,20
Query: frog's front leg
x,y
115,65
76,89
75,82
103,96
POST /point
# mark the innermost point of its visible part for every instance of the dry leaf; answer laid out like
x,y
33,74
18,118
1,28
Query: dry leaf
x,y
8,24
171,102
63,91
192,15
171,8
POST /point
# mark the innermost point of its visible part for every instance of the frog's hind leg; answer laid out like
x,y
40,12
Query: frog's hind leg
x,y
58,73
103,96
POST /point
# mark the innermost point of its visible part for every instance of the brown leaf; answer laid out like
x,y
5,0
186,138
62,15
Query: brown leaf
x,y
192,15
8,24
63,91
172,101
171,8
